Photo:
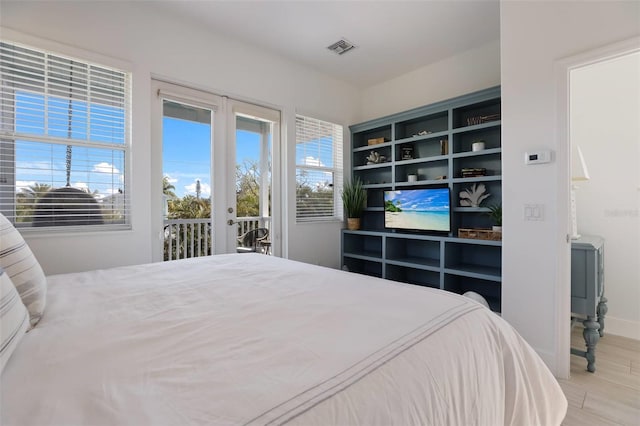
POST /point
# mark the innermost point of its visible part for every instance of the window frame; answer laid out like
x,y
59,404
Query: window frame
x,y
121,148
337,148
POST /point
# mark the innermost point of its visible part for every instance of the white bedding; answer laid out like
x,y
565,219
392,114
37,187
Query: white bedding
x,y
253,339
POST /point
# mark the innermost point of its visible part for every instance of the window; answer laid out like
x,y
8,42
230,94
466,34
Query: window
x,y
318,169
64,140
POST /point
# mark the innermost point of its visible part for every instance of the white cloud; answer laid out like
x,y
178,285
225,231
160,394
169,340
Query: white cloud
x,y
105,167
81,185
170,179
24,184
312,161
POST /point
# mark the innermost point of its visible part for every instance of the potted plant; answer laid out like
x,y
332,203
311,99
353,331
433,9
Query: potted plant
x,y
354,199
495,213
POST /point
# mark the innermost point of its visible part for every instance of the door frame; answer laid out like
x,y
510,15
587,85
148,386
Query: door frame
x,y
262,113
222,162
563,68
161,89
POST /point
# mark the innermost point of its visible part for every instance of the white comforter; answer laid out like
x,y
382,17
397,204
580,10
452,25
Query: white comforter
x,y
253,339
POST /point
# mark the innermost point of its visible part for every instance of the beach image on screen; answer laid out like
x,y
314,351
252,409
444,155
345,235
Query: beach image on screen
x,y
422,209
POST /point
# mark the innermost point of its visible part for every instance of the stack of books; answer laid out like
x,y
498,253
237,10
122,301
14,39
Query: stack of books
x,y
473,172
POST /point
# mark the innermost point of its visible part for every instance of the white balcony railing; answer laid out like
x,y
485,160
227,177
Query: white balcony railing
x,y
185,238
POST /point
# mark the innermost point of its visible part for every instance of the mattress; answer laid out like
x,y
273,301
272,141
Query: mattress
x,y
248,339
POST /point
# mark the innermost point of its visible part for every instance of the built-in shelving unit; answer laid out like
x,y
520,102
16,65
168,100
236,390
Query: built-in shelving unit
x,y
440,138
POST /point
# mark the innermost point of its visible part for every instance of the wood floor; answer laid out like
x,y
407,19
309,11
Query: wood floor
x,y
611,395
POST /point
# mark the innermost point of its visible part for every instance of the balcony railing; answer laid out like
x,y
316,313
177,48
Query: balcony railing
x,y
185,238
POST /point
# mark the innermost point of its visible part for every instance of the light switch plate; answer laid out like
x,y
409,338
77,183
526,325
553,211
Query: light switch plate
x,y
534,212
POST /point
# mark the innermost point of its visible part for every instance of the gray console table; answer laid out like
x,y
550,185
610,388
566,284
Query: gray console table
x,y
588,303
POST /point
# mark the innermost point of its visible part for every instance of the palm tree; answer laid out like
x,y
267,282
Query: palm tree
x,y
189,207
36,190
27,198
167,188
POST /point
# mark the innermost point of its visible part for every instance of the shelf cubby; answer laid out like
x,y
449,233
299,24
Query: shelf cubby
x,y
375,199
492,185
411,275
361,266
361,140
360,157
362,245
489,160
422,126
463,141
473,260
373,220
429,170
425,253
477,113
379,174
422,149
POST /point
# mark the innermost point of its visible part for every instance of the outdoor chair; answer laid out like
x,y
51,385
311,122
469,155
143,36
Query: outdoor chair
x,y
251,241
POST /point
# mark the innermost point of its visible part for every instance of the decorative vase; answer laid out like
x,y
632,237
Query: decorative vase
x,y
353,223
477,146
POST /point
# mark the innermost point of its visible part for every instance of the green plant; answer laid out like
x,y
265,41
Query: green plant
x,y
354,198
495,213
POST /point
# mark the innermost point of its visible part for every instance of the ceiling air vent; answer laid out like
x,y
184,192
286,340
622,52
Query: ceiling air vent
x,y
341,46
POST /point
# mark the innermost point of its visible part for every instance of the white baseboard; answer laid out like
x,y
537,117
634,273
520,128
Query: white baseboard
x,y
622,327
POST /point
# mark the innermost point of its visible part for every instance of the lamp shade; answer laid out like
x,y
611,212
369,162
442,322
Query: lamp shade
x,y
579,171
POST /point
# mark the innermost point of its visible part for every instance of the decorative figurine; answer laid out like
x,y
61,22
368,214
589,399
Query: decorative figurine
x,y
407,152
472,197
375,158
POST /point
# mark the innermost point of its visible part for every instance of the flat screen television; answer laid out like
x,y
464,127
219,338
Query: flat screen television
x,y
427,209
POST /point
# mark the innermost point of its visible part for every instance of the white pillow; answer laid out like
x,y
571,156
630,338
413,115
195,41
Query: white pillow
x,y
478,298
23,268
14,318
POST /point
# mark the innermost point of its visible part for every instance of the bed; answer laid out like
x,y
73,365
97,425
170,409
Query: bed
x,y
249,339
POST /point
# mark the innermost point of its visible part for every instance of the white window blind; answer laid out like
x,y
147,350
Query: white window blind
x,y
64,140
318,169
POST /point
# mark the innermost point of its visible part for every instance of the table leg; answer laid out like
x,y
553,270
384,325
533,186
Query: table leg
x,y
602,311
591,337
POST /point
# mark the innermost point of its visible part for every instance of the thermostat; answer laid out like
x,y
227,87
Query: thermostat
x,y
537,157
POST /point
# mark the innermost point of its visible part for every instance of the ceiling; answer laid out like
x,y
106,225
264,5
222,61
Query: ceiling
x,y
393,37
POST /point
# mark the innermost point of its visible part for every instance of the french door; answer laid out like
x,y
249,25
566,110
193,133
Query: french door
x,y
253,136
215,158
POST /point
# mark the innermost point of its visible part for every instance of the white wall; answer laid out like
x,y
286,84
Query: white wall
x,y
162,45
468,72
605,123
534,36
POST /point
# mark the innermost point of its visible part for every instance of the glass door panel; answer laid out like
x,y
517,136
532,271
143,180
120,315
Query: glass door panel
x,y
186,180
254,134
253,183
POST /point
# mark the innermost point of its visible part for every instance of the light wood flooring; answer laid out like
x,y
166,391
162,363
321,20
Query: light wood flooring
x,y
611,395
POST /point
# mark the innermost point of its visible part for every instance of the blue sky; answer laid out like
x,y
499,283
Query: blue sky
x,y
186,154
436,199
99,170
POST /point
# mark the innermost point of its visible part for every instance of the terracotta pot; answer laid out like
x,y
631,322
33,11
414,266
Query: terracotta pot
x,y
353,223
